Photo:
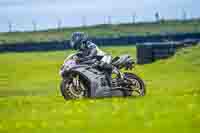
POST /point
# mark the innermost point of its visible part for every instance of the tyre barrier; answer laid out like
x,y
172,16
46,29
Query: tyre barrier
x,y
150,52
187,38
29,47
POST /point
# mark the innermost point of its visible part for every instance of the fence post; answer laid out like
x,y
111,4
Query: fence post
x,y
10,26
34,25
157,16
133,17
109,20
59,24
184,15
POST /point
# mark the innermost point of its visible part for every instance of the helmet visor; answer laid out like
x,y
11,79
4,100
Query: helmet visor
x,y
72,44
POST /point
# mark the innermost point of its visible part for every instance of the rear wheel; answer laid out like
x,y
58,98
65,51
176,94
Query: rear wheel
x,y
74,86
136,85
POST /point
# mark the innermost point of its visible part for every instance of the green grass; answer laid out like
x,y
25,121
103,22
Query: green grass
x,y
31,101
36,73
103,30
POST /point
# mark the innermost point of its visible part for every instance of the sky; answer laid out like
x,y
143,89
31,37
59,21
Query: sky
x,y
44,14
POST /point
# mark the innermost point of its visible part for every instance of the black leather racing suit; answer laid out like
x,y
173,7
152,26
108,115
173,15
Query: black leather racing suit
x,y
90,51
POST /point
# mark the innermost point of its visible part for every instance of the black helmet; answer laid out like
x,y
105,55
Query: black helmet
x,y
77,39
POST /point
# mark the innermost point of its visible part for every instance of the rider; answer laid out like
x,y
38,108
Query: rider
x,y
88,51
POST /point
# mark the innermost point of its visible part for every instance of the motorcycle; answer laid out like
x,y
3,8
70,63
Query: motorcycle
x,y
81,80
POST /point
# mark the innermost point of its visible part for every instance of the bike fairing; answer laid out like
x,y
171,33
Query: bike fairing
x,y
87,52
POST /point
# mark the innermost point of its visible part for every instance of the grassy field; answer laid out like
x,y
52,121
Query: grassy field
x,y
104,30
30,98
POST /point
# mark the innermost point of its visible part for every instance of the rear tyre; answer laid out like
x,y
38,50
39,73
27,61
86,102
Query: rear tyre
x,y
136,86
74,86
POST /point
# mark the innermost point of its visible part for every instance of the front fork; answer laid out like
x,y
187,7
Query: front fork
x,y
76,81
119,74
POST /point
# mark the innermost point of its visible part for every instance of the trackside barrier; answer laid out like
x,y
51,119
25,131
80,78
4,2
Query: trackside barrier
x,y
105,41
150,52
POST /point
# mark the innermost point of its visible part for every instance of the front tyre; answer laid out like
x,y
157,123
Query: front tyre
x,y
73,87
135,84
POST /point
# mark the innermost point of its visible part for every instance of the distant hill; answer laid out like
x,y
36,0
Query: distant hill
x,y
143,28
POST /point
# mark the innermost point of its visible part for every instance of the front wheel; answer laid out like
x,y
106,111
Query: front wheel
x,y
136,85
74,87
